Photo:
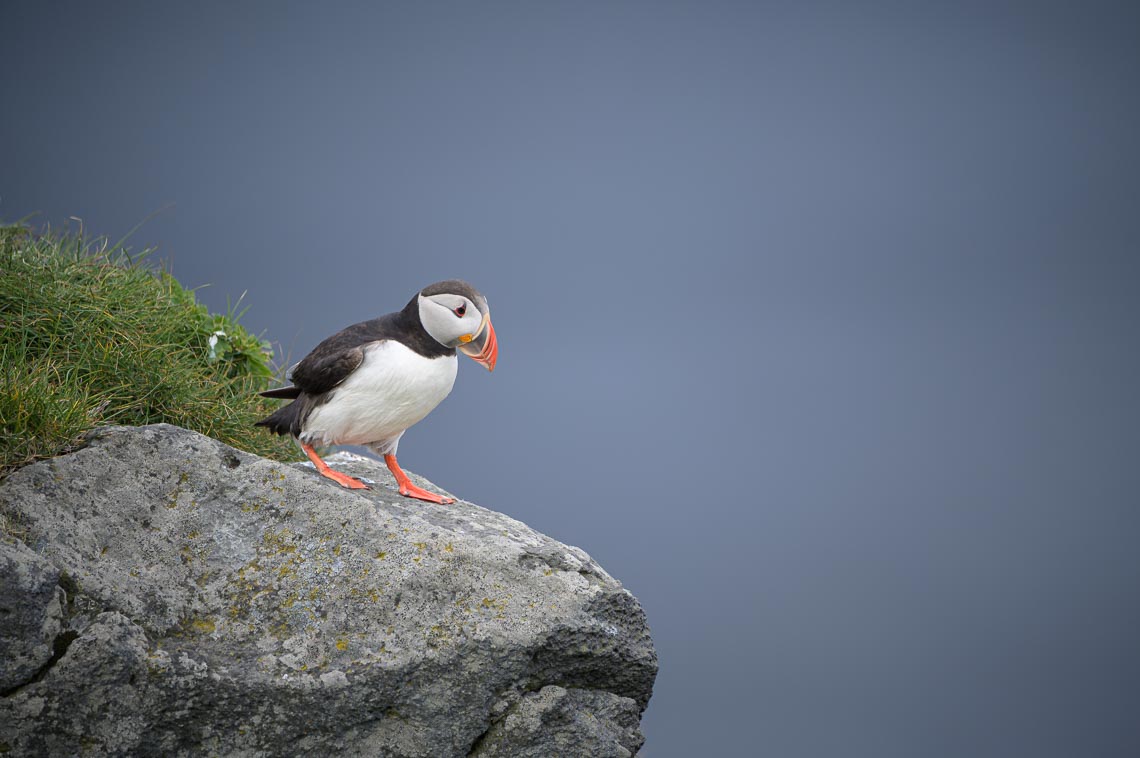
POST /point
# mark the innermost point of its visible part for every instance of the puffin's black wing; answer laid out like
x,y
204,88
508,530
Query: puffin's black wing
x,y
320,374
336,357
328,365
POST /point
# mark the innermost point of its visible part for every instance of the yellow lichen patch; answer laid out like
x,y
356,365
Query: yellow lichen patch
x,y
279,542
342,644
336,550
192,535
420,545
202,626
447,547
437,636
417,559
373,596
381,555
500,606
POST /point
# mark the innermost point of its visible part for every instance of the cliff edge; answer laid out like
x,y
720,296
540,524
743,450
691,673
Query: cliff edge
x,y
163,593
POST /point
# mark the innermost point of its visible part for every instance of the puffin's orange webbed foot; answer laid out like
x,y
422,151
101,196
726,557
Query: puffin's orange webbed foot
x,y
344,480
407,489
419,493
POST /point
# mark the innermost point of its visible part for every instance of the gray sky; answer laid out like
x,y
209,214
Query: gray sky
x,y
819,323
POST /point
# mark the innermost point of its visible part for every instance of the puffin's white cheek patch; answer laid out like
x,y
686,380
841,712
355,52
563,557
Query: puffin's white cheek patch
x,y
440,320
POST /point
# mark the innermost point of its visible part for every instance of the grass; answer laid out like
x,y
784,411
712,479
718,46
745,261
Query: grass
x,y
90,336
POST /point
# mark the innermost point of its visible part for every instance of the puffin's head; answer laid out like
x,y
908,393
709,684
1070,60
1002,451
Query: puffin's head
x,y
456,315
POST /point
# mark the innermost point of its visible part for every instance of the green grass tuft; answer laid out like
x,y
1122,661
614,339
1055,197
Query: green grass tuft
x,y
90,336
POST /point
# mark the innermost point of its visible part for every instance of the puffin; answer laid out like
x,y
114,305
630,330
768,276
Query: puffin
x,y
366,384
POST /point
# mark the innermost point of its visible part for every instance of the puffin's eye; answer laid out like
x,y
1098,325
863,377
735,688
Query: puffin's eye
x,y
461,310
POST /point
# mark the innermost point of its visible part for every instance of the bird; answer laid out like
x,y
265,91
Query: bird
x,y
369,382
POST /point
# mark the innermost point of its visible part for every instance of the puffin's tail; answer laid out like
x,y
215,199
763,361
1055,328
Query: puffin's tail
x,y
282,393
286,420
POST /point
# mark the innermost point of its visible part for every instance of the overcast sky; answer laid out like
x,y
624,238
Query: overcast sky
x,y
819,324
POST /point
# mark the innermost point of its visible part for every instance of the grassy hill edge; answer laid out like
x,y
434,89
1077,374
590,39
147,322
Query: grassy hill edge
x,y
91,336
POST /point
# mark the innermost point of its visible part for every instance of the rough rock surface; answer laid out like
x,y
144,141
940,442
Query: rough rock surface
x,y
178,597
31,614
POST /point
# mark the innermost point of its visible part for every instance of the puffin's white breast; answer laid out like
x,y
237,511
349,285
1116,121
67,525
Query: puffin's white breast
x,y
393,388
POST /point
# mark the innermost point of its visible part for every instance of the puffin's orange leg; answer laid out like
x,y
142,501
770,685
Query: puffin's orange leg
x,y
407,489
344,480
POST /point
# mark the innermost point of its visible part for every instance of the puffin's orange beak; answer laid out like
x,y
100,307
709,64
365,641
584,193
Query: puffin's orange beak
x,y
483,347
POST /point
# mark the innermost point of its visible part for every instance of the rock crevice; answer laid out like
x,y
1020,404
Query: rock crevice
x,y
59,646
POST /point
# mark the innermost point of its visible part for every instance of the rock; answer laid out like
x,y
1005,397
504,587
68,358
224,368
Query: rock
x,y
179,597
31,612
558,721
